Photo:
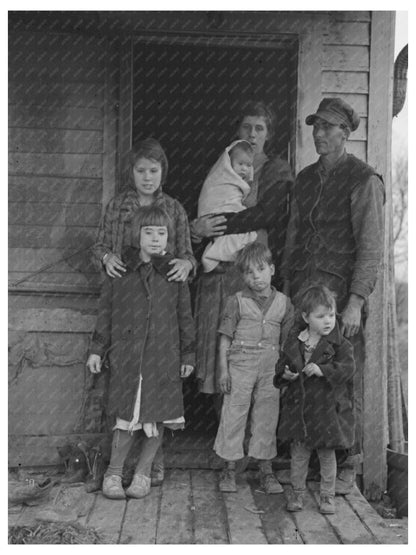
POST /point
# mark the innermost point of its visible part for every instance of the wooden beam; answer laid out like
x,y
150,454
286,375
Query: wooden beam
x,y
375,421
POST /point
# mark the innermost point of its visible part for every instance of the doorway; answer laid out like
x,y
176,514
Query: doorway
x,y
188,96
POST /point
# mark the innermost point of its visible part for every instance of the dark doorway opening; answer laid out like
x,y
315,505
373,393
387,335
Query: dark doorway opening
x,y
188,96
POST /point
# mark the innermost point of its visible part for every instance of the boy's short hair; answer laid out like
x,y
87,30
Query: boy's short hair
x,y
312,296
244,146
253,254
149,215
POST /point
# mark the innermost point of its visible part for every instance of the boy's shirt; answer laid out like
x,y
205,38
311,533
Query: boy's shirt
x,y
231,314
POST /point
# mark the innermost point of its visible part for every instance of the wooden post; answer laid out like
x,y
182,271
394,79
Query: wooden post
x,y
375,417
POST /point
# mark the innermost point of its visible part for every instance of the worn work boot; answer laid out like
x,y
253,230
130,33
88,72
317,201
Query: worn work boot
x,y
157,474
327,505
345,481
112,487
139,487
227,479
295,501
29,492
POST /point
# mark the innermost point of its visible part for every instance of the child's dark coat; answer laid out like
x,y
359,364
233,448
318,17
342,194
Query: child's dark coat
x,y
318,410
146,323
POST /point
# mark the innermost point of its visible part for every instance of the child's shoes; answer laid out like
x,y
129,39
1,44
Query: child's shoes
x,y
139,487
270,484
157,474
327,505
227,480
112,487
295,501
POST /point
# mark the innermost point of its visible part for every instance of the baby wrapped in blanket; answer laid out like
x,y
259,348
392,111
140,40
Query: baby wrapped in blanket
x,y
224,190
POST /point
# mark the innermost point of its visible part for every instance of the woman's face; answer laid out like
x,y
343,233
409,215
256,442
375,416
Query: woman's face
x,y
254,130
147,175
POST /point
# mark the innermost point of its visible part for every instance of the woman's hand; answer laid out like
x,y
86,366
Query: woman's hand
x,y
94,364
208,226
113,265
186,370
180,270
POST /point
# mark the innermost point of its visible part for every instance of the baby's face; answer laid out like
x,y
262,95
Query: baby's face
x,y
242,162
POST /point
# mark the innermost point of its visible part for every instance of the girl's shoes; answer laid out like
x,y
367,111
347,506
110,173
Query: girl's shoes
x,y
327,505
270,484
139,487
112,487
157,474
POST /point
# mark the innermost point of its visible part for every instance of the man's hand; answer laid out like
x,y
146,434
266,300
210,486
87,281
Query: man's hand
x,y
312,369
186,370
94,364
351,316
113,265
208,226
180,270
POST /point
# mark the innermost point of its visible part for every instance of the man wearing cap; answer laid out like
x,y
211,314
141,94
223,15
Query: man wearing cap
x,y
335,236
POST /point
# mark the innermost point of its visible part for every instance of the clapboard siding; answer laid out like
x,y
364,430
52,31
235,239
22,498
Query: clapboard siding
x,y
37,213
59,117
46,236
46,189
71,165
55,141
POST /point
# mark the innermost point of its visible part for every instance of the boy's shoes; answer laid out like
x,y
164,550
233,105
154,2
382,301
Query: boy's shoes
x,y
227,480
112,487
327,505
139,487
270,484
295,501
157,474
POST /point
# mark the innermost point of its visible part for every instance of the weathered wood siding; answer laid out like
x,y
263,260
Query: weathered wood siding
x,y
56,125
58,133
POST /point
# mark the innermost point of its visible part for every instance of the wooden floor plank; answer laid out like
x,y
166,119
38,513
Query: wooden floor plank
x,y
347,524
245,526
312,526
106,518
278,524
175,524
209,509
140,521
372,520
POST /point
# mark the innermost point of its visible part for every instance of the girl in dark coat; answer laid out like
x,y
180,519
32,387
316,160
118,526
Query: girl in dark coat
x,y
315,372
145,324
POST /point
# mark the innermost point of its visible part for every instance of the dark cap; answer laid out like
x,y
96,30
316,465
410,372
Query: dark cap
x,y
337,112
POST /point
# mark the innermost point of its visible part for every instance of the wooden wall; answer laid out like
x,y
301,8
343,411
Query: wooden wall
x,y
61,160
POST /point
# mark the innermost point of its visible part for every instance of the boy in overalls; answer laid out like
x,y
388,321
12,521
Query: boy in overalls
x,y
253,322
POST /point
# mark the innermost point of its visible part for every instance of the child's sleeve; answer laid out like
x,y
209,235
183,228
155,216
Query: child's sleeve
x,y
101,337
341,368
186,326
278,381
230,317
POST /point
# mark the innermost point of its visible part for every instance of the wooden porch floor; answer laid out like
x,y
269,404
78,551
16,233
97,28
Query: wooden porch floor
x,y
189,509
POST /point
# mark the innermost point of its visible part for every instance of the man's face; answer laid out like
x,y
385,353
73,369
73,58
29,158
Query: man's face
x,y
328,138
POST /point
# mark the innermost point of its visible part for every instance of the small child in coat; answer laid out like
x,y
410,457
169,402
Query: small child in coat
x,y
315,373
253,322
224,190
145,324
